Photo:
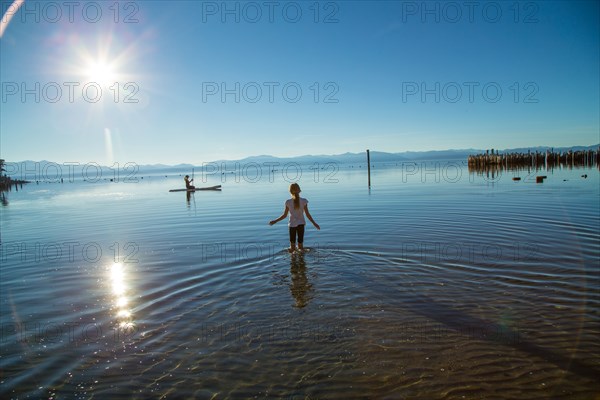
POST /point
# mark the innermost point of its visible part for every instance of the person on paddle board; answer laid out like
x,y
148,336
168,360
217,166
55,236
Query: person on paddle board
x,y
297,207
188,181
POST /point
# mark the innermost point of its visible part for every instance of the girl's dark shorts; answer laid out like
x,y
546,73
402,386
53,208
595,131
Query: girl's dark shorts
x,y
297,230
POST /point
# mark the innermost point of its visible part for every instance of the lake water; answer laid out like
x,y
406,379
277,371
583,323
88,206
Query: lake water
x,y
436,283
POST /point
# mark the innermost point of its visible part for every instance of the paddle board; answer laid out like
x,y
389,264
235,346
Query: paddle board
x,y
216,187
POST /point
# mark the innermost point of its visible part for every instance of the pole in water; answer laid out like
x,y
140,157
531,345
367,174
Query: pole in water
x,y
369,167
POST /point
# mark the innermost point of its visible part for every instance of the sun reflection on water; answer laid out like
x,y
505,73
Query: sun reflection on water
x,y
119,291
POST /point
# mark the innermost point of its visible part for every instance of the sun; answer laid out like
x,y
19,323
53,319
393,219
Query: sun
x,y
106,64
101,72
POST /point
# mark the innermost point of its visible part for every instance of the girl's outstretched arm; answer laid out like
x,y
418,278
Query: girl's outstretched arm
x,y
310,218
285,213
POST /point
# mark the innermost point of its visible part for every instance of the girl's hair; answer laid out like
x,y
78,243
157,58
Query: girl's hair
x,y
295,192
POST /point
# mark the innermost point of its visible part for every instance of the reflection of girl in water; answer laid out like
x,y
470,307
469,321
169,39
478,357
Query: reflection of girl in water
x,y
296,207
301,288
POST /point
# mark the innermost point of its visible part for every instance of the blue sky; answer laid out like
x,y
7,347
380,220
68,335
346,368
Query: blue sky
x,y
198,81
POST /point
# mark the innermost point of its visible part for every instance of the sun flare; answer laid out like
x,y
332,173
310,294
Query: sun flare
x,y
101,72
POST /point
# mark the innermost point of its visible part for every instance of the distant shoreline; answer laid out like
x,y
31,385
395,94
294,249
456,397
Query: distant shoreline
x,y
124,167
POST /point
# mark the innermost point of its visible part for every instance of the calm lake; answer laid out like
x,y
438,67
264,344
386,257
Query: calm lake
x,y
436,283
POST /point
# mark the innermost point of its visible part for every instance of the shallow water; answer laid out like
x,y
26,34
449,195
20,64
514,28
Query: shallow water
x,y
434,284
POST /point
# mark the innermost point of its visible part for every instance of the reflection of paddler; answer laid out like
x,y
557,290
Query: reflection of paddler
x,y
188,181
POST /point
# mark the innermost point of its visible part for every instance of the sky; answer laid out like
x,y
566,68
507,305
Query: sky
x,y
172,82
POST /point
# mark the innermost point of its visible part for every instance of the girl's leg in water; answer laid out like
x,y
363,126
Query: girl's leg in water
x,y
292,239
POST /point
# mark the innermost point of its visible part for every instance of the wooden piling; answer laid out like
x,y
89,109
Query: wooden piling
x,y
369,166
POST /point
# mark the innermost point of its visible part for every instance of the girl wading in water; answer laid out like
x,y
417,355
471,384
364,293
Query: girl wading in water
x,y
296,207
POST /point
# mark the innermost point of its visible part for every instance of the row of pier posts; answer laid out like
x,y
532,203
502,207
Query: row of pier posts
x,y
536,160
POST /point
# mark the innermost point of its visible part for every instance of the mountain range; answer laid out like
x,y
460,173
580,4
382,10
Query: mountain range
x,y
345,158
377,156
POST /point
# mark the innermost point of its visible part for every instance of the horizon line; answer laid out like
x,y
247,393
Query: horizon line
x,y
313,155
